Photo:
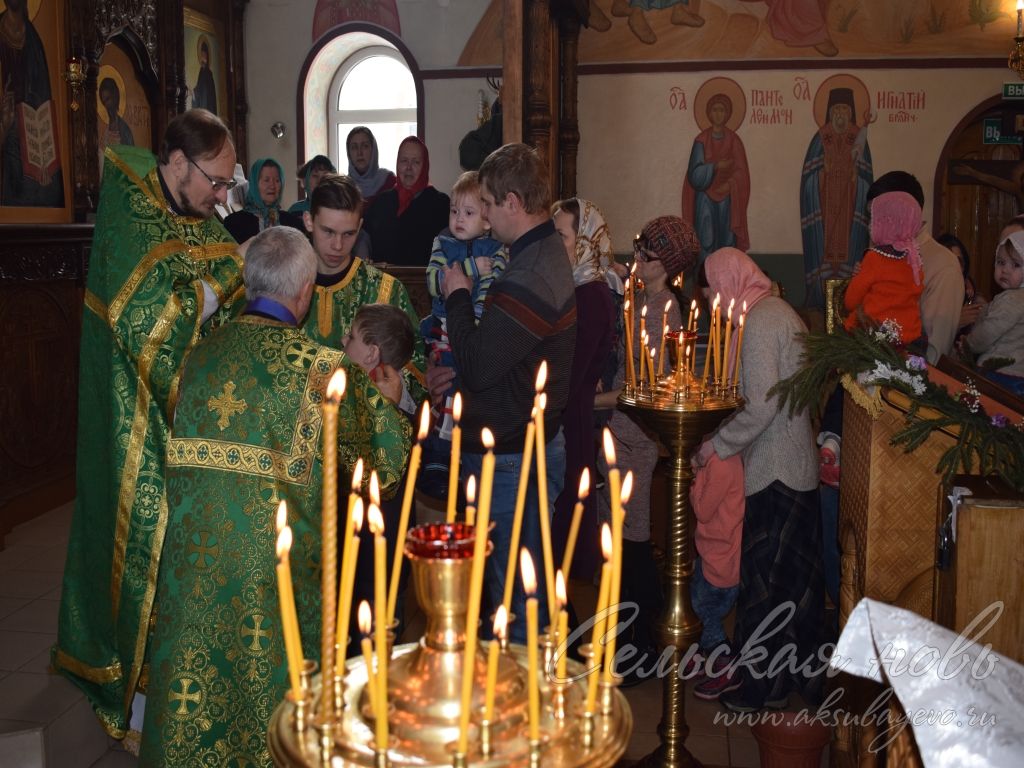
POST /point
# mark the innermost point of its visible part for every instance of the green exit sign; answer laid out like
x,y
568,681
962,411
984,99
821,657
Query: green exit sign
x,y
1013,91
991,132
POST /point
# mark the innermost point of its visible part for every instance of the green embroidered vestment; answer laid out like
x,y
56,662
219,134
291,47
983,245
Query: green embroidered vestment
x,y
143,313
247,433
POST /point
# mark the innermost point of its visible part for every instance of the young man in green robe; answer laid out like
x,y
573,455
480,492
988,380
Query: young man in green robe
x,y
247,435
345,282
161,265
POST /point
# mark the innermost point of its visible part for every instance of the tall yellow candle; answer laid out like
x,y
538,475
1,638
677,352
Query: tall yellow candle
x,y
348,577
618,517
403,519
600,621
716,322
376,521
345,594
543,510
577,517
739,349
650,366
532,683
662,365
627,321
725,344
500,621
643,342
453,469
517,516
476,584
692,316
471,500
329,531
365,625
562,634
289,620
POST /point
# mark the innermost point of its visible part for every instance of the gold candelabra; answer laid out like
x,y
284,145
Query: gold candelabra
x,y
681,409
423,687
74,74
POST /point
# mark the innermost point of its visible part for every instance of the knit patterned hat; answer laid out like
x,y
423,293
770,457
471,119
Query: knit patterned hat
x,y
672,241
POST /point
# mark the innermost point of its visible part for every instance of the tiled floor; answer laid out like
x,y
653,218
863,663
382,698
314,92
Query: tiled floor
x,y
39,708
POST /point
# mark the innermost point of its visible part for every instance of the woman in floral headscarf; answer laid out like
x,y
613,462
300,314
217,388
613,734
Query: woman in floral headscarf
x,y
262,203
589,249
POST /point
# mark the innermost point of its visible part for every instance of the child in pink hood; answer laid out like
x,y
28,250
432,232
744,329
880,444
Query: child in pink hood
x,y
718,501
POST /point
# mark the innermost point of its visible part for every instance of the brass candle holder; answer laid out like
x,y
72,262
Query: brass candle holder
x,y
424,681
681,410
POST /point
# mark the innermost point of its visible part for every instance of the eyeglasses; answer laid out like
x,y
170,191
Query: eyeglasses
x,y
642,254
217,185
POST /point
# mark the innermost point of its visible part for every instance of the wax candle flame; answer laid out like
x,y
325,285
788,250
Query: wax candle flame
x,y
282,516
743,317
357,476
363,617
643,312
696,314
471,489
609,447
487,438
500,622
1020,5
357,515
336,386
665,329
376,519
284,542
745,303
626,305
560,589
542,400
542,376
668,305
584,483
606,541
457,406
627,487
693,305
529,574
424,422
374,488
717,301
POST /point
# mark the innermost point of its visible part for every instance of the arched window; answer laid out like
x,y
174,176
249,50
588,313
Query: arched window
x,y
372,87
358,76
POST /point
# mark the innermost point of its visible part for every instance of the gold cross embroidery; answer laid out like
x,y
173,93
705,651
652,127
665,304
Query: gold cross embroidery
x,y
256,631
226,405
185,696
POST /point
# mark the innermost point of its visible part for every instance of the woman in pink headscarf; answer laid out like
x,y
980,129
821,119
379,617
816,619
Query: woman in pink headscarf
x,y
781,557
403,221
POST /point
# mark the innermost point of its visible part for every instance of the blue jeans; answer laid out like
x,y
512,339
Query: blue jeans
x,y
507,467
711,604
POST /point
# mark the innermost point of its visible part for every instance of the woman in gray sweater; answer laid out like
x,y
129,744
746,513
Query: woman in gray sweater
x,y
780,565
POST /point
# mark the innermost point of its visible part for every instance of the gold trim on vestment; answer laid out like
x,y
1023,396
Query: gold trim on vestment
x,y
325,299
236,457
151,259
147,601
387,285
95,305
101,675
133,455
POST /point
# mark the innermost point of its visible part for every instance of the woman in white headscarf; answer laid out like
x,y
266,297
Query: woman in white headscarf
x,y
589,250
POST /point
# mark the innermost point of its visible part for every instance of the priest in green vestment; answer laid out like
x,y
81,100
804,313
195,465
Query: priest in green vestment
x,y
247,435
345,282
161,265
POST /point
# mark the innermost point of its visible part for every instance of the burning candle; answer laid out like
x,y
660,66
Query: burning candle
x,y
471,500
329,530
562,635
347,564
725,346
716,319
664,332
363,617
376,521
600,620
500,620
348,577
476,584
661,350
530,587
517,516
618,517
650,366
453,469
692,316
627,321
286,598
403,520
577,517
739,343
643,341
543,511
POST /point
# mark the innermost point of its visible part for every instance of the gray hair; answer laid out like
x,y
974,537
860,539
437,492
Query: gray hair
x,y
279,263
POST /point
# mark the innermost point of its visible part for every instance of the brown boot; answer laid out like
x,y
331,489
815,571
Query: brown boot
x,y
598,21
641,28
